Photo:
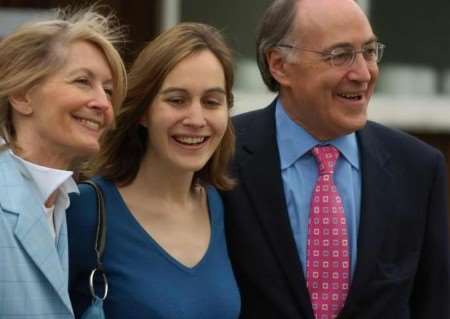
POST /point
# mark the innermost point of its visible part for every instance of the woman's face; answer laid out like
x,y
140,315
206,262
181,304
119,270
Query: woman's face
x,y
62,118
188,117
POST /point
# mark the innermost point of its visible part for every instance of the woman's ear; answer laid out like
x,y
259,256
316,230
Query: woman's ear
x,y
21,103
144,119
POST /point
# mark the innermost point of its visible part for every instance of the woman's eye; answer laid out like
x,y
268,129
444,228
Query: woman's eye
x,y
175,101
213,103
108,91
84,81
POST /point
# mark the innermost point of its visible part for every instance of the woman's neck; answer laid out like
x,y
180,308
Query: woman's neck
x,y
40,156
162,182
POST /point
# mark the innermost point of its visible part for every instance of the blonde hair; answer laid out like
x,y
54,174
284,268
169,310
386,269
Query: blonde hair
x,y
37,50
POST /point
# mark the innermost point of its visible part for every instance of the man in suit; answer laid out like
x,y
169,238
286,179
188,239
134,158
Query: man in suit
x,y
321,57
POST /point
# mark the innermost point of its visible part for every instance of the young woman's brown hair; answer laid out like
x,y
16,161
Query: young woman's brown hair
x,y
124,147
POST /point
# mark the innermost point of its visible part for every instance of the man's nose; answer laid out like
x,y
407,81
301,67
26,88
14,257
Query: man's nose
x,y
360,69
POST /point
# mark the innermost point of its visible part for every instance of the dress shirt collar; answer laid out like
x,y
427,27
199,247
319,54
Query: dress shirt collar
x,y
48,180
294,141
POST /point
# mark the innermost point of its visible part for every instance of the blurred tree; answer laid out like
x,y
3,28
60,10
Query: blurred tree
x,y
415,31
142,18
237,19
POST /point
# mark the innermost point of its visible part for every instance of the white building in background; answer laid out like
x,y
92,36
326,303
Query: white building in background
x,y
10,18
406,95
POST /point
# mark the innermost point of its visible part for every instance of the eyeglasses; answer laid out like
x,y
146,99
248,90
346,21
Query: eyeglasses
x,y
346,56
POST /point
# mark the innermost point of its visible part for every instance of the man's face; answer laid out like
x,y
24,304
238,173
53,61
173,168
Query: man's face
x,y
328,101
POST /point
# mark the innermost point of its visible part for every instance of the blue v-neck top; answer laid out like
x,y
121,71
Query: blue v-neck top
x,y
144,280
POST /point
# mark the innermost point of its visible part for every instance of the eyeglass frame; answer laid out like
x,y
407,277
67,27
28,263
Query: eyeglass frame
x,y
328,54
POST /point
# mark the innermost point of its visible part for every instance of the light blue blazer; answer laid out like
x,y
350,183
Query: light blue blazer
x,y
33,268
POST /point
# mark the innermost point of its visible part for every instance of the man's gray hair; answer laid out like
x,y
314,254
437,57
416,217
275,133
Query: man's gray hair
x,y
275,26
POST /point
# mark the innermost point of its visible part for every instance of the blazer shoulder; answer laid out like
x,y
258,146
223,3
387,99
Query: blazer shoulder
x,y
17,193
244,120
251,125
400,143
9,173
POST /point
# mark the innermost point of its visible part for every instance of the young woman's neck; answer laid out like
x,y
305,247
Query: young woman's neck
x,y
163,182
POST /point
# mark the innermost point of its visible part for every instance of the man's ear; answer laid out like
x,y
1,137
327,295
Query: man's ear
x,y
21,103
277,65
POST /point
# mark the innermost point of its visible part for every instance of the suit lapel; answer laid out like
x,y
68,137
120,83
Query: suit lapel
x,y
260,172
378,192
62,245
17,197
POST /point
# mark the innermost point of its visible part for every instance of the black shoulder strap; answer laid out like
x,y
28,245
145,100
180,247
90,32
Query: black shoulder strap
x,y
100,237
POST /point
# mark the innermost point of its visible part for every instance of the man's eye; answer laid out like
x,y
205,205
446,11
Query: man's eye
x,y
341,56
370,51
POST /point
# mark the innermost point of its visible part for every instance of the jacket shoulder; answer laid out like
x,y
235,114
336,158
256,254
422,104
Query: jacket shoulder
x,y
398,141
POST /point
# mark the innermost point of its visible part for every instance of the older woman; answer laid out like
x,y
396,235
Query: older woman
x,y
165,255
59,82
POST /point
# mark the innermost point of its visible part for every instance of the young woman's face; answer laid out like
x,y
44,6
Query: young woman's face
x,y
188,118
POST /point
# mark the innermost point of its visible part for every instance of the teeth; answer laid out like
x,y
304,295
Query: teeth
x,y
190,139
90,124
350,96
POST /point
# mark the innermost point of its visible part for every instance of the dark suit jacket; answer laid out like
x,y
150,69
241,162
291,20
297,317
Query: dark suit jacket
x,y
402,269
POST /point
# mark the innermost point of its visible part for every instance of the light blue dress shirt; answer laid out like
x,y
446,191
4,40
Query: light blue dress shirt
x,y
299,173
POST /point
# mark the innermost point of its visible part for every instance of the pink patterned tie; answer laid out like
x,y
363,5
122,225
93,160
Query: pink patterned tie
x,y
327,265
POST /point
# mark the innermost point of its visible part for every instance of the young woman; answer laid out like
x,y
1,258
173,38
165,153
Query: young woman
x,y
165,254
59,82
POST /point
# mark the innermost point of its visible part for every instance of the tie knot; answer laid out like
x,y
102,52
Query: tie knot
x,y
326,157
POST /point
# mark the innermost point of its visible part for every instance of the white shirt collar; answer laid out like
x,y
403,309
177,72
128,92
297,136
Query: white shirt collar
x,y
48,180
